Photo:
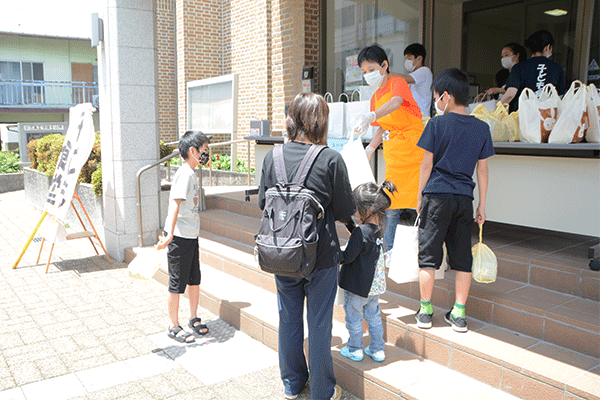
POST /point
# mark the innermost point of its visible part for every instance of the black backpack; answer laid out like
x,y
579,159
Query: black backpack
x,y
287,240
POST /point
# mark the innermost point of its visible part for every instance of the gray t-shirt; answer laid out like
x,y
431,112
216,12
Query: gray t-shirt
x,y
185,187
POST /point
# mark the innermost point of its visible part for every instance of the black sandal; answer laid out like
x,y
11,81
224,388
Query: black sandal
x,y
201,329
180,335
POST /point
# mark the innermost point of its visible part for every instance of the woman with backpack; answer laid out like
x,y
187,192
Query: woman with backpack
x,y
306,125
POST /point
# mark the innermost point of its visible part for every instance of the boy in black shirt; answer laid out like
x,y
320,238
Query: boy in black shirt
x,y
454,144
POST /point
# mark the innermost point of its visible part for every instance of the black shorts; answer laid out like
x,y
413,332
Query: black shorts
x,y
184,264
446,218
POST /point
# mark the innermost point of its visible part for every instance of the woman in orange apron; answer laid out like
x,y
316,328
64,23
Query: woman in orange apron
x,y
393,109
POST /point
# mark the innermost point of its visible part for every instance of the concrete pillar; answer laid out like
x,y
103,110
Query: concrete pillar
x,y
128,121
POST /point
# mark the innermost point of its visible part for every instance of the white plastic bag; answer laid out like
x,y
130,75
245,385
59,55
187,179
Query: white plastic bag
x,y
593,109
537,117
336,128
548,106
357,163
489,105
573,120
404,262
147,262
485,264
353,109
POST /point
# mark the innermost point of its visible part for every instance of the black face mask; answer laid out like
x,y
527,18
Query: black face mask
x,y
203,159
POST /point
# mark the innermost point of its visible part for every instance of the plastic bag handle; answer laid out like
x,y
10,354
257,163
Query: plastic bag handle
x,y
330,97
343,94
352,95
480,233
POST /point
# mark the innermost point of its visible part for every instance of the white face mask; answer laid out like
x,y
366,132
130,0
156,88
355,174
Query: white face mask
x,y
408,65
373,78
507,62
437,109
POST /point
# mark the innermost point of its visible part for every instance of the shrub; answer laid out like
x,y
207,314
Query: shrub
x,y
165,149
9,162
92,163
32,152
97,180
47,153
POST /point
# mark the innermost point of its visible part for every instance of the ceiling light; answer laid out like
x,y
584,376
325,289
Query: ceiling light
x,y
557,12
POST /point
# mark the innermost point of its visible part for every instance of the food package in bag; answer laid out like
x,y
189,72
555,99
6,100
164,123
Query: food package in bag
x,y
548,106
497,129
485,264
147,262
593,110
572,123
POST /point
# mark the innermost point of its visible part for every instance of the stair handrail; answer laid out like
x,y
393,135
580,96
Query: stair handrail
x,y
167,158
139,192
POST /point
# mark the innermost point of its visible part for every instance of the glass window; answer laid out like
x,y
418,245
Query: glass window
x,y
393,24
212,105
487,30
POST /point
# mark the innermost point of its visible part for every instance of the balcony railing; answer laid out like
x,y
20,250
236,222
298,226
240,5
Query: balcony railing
x,y
46,94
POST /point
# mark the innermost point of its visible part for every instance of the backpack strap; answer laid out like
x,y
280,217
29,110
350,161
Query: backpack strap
x,y
307,162
280,173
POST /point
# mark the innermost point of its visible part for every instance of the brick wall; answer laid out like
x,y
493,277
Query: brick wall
x,y
265,42
166,68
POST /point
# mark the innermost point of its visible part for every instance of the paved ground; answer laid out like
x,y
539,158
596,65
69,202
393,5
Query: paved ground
x,y
86,330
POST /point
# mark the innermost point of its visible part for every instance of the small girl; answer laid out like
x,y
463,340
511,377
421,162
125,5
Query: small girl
x,y
362,275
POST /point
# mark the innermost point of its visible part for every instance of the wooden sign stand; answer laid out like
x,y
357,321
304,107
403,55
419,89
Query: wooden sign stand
x,y
78,235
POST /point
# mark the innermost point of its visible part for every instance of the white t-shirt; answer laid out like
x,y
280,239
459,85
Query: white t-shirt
x,y
421,89
185,187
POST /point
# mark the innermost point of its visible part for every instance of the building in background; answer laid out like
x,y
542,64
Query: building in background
x,y
41,77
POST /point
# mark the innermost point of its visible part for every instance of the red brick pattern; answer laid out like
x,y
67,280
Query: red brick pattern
x,y
265,42
166,67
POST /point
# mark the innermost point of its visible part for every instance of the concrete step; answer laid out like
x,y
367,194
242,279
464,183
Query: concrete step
x,y
403,374
562,319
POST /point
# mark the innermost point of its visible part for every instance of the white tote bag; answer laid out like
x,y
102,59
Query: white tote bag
x,y
404,262
357,163
573,120
593,109
337,127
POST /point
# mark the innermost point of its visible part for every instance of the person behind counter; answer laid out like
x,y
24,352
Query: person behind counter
x,y
511,55
419,77
393,109
536,72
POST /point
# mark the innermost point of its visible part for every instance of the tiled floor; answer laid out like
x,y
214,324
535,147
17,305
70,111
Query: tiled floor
x,y
85,330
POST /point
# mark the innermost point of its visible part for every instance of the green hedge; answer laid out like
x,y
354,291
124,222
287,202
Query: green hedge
x,y
44,153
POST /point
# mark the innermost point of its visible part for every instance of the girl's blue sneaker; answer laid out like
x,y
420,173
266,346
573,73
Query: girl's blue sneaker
x,y
378,356
353,355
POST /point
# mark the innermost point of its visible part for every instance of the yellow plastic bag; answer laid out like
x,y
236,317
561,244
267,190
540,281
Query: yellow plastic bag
x,y
485,265
147,262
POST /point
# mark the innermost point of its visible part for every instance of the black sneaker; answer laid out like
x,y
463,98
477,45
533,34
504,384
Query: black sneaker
x,y
423,320
458,324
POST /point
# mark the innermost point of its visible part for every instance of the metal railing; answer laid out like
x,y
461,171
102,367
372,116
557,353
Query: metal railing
x,y
42,94
164,160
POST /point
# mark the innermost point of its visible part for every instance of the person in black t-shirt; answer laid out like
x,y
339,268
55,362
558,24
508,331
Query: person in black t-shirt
x,y
536,72
328,179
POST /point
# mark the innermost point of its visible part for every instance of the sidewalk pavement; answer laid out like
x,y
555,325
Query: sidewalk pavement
x,y
85,330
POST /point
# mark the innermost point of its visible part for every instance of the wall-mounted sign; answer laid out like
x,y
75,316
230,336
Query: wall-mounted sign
x,y
29,131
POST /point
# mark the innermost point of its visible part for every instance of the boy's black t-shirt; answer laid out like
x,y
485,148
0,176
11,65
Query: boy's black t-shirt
x,y
457,141
328,179
359,260
534,74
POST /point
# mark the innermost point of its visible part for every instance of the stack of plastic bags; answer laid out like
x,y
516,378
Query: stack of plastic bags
x,y
504,127
548,119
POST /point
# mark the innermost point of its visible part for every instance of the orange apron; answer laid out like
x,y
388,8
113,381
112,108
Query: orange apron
x,y
401,155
